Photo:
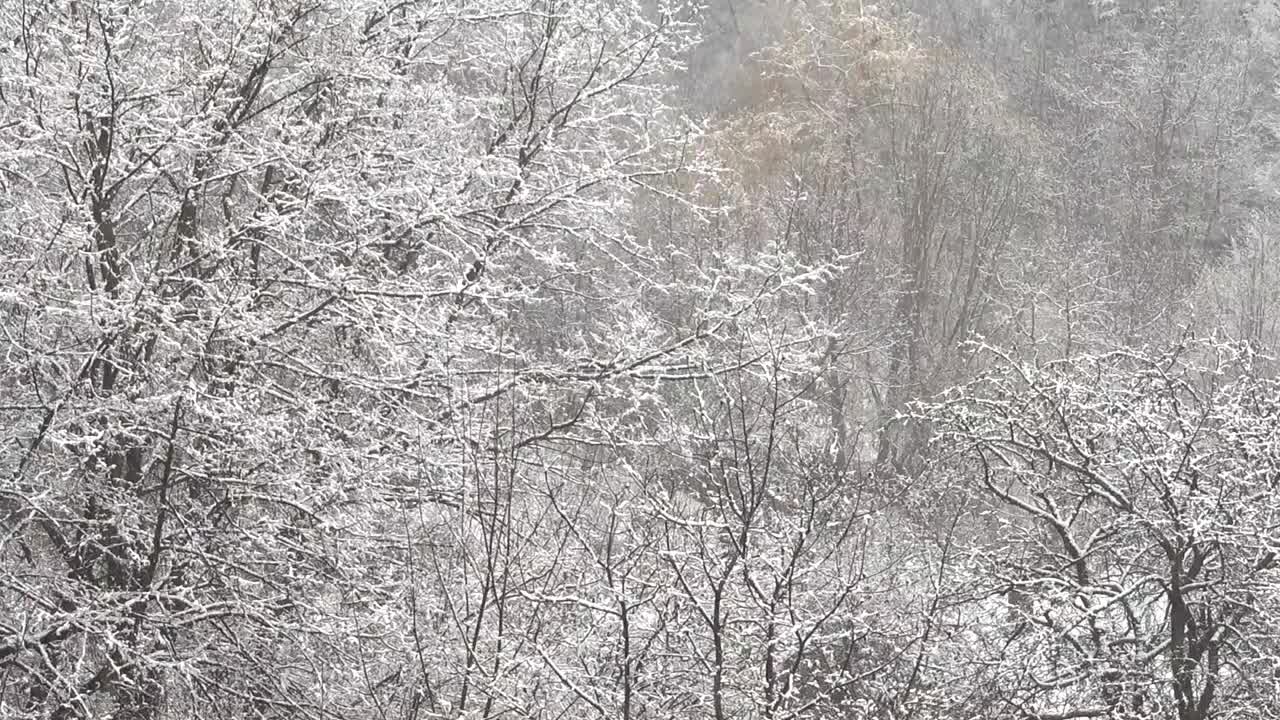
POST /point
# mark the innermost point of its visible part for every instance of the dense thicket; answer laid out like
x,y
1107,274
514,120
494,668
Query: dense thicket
x,y
639,359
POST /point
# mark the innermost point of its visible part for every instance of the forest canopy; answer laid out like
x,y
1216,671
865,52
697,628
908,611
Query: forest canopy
x,y
639,359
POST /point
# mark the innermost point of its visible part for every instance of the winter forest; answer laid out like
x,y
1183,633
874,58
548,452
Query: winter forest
x,y
639,359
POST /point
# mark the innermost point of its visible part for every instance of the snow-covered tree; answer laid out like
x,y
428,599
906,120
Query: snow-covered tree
x,y
1124,505
292,292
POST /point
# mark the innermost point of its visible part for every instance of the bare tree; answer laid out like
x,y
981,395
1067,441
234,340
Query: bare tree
x,y
1134,491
